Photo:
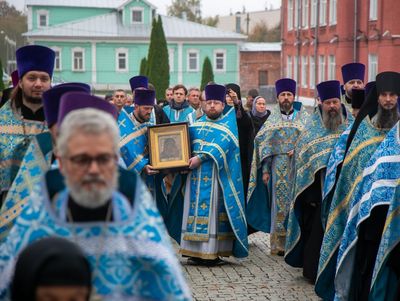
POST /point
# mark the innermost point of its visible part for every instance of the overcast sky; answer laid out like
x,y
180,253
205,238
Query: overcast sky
x,y
209,7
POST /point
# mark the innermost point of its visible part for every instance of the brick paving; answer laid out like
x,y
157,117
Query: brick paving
x,y
261,276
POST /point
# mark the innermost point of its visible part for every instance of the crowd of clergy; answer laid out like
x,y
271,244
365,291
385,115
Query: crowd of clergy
x,y
86,215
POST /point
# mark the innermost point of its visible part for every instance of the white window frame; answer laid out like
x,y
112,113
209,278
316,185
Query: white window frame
x,y
313,17
290,15
138,9
304,13
322,12
304,69
219,51
332,12
189,52
171,56
372,66
296,13
59,58
332,67
295,67
373,10
289,67
42,12
75,50
321,68
119,51
311,66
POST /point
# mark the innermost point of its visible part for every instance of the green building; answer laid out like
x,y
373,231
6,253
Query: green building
x,y
101,42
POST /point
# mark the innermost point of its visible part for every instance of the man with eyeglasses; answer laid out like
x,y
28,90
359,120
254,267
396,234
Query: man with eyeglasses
x,y
127,246
214,224
22,116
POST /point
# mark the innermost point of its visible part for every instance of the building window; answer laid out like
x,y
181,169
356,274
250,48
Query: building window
x,y
321,68
121,57
373,10
193,60
42,18
290,15
296,13
263,78
312,72
304,68
313,19
322,12
289,73
78,59
137,15
304,15
295,67
332,12
332,67
57,60
372,67
171,59
220,60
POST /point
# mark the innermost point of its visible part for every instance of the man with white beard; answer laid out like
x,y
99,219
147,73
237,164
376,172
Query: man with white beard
x,y
127,245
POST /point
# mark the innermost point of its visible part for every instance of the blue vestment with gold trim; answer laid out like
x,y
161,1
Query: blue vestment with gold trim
x,y
379,185
131,257
362,147
311,156
217,142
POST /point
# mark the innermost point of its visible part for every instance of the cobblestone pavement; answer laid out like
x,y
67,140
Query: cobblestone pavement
x,y
261,276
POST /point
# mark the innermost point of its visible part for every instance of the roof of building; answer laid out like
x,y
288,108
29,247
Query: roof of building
x,y
79,3
110,26
248,47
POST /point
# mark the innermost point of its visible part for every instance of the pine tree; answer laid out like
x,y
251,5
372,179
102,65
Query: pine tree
x,y
207,74
143,66
157,63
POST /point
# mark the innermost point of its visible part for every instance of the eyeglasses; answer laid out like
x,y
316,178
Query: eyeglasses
x,y
84,161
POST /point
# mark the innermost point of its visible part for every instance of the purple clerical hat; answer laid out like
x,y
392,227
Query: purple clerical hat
x,y
285,85
145,97
14,78
215,92
353,71
357,98
35,58
72,101
329,89
51,99
139,82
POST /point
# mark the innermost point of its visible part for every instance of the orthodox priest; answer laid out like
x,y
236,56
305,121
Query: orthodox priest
x,y
272,172
214,222
304,234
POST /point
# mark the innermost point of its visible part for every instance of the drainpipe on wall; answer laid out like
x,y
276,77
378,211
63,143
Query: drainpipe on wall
x,y
316,53
298,26
355,31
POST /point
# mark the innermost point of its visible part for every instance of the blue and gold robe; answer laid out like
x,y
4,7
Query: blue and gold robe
x,y
15,136
131,257
311,158
379,186
271,147
219,175
363,145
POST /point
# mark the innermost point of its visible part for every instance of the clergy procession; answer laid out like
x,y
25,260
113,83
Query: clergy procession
x,y
107,199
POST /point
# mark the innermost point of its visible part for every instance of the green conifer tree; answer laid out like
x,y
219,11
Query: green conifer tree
x,y
207,74
143,66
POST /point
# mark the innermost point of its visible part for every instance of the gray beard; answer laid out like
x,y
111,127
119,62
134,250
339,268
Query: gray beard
x,y
285,106
386,119
92,198
332,122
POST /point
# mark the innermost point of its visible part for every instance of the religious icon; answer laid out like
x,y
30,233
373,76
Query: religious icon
x,y
169,145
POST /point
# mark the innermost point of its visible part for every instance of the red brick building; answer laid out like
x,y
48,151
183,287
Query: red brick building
x,y
319,36
260,67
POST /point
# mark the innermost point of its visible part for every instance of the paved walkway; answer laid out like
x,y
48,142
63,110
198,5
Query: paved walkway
x,y
261,276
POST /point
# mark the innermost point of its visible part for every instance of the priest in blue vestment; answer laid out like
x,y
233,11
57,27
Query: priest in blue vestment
x,y
123,239
304,230
353,78
214,222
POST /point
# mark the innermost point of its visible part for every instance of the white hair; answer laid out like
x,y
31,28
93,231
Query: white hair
x,y
88,121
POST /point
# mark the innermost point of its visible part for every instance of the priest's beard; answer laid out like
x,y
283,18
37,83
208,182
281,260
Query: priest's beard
x,y
286,106
213,115
92,196
32,100
386,118
332,119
